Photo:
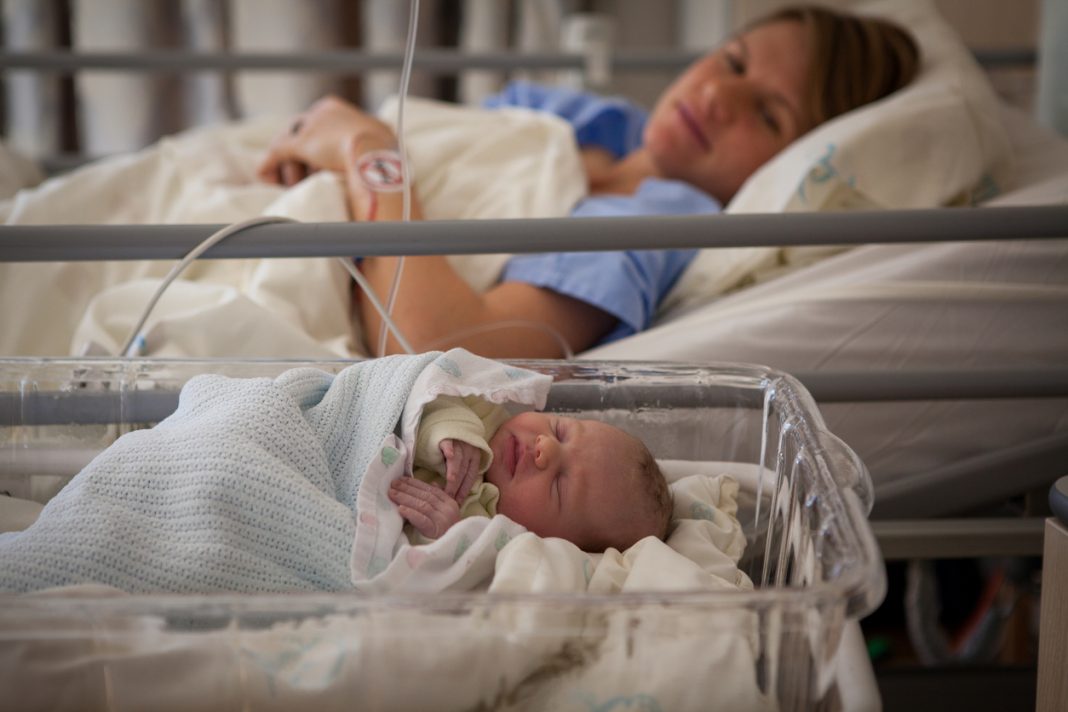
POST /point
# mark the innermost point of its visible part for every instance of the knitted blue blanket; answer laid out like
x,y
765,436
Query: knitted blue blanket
x,y
250,486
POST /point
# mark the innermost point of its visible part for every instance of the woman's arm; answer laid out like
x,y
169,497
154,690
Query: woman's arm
x,y
435,308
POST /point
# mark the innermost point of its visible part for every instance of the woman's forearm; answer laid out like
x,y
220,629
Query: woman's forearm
x,y
436,309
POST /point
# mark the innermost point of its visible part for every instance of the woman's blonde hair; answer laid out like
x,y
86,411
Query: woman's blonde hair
x,y
854,59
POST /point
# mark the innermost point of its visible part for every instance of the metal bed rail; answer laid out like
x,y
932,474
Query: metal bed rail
x,y
43,407
897,523
902,539
440,61
28,243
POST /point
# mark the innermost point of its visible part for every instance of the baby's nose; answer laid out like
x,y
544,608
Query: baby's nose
x,y
544,451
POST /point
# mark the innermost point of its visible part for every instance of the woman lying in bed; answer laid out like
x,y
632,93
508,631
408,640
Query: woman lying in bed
x,y
711,129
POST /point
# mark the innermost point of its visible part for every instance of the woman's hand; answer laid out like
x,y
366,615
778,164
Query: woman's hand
x,y
425,506
323,138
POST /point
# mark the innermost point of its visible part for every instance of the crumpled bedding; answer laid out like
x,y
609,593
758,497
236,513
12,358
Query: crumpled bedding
x,y
283,308
508,651
268,485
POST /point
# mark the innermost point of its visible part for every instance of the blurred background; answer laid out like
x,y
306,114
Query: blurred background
x,y
52,117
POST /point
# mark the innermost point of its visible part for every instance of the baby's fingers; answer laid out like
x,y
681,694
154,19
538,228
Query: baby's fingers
x,y
416,493
415,506
422,523
453,454
469,478
428,508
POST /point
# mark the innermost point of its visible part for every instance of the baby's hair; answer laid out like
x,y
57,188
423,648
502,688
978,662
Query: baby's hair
x,y
856,59
657,495
650,505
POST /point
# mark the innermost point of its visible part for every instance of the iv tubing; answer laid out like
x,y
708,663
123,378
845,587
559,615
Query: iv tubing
x,y
406,176
193,254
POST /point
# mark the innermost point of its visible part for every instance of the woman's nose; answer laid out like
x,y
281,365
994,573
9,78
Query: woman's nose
x,y
545,449
720,97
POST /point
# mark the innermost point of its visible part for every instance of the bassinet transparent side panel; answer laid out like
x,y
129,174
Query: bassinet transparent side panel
x,y
56,414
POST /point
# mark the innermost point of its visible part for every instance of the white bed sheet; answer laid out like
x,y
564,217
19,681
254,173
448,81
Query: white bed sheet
x,y
967,306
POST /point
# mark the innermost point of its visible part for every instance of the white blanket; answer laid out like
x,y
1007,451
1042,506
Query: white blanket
x,y
268,485
284,307
555,651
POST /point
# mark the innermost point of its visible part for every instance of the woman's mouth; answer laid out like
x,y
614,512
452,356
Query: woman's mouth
x,y
692,125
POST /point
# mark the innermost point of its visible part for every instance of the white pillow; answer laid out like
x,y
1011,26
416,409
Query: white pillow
x,y
937,141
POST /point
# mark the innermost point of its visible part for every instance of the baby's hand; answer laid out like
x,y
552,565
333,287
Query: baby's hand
x,y
425,506
461,468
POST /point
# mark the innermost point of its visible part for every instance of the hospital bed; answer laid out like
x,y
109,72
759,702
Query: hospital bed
x,y
859,320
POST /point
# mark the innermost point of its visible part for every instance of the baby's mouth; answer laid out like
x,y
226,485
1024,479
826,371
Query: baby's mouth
x,y
515,454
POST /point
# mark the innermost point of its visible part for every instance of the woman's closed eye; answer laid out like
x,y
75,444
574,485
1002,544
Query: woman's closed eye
x,y
767,116
736,56
735,62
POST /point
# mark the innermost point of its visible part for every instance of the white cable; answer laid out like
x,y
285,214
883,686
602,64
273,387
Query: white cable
x,y
387,321
508,324
406,75
406,177
216,237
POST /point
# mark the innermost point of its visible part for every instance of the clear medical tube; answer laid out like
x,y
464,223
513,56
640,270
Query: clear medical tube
x,y
406,176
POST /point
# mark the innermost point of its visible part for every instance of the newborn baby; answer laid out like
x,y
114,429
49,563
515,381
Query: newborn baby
x,y
580,480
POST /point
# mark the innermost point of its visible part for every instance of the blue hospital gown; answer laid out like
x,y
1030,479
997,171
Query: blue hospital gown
x,y
627,284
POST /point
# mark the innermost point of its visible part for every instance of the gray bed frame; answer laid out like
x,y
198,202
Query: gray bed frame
x,y
906,527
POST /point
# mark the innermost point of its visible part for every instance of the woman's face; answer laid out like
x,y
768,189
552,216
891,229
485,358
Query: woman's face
x,y
733,110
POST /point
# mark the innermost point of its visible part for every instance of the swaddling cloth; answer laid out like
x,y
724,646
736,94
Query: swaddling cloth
x,y
250,486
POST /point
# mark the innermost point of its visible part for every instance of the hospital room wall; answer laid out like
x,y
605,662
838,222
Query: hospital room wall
x,y
100,113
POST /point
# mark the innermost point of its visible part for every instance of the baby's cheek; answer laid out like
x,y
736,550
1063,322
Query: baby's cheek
x,y
534,516
512,507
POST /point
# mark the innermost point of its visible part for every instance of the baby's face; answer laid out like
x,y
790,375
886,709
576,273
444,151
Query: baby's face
x,y
564,477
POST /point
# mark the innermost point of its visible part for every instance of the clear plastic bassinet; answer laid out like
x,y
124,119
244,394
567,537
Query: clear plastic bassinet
x,y
790,644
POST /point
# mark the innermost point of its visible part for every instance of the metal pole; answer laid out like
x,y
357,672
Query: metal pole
x,y
972,482
435,60
1052,108
869,386
440,61
25,243
39,407
958,538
